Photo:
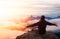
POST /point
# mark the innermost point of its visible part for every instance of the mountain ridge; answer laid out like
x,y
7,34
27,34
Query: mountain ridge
x,y
35,35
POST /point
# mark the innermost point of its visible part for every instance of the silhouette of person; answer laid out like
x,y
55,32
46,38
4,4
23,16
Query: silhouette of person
x,y
41,25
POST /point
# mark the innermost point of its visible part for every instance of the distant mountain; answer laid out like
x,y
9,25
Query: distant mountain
x,y
38,17
57,33
49,18
58,17
32,17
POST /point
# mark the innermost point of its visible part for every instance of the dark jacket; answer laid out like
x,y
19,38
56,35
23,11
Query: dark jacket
x,y
41,26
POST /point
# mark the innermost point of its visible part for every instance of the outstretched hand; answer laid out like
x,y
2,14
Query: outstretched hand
x,y
27,26
56,25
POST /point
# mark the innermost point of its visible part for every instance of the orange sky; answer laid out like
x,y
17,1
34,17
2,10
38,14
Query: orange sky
x,y
17,9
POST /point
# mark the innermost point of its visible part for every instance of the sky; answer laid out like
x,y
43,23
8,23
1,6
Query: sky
x,y
16,9
11,11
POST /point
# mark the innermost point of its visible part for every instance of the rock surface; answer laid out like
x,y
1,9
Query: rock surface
x,y
35,35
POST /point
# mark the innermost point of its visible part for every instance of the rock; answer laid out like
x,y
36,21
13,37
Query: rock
x,y
35,35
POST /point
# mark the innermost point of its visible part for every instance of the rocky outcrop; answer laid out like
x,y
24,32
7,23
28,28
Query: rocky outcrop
x,y
35,35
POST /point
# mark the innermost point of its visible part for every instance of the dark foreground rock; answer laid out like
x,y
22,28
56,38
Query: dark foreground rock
x,y
35,35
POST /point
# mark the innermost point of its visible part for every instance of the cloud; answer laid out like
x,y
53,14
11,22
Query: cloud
x,y
53,28
13,8
18,9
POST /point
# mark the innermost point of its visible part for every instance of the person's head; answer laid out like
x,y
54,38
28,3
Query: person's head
x,y
42,17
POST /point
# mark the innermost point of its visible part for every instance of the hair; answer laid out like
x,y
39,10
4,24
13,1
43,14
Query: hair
x,y
42,17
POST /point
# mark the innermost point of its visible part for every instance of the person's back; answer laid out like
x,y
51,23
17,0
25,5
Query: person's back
x,y
41,25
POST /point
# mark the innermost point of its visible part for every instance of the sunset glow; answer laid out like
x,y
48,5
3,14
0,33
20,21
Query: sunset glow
x,y
15,14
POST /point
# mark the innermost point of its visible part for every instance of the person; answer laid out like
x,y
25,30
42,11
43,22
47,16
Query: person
x,y
41,25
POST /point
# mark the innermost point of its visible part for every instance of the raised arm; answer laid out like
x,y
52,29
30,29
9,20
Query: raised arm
x,y
32,25
48,23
